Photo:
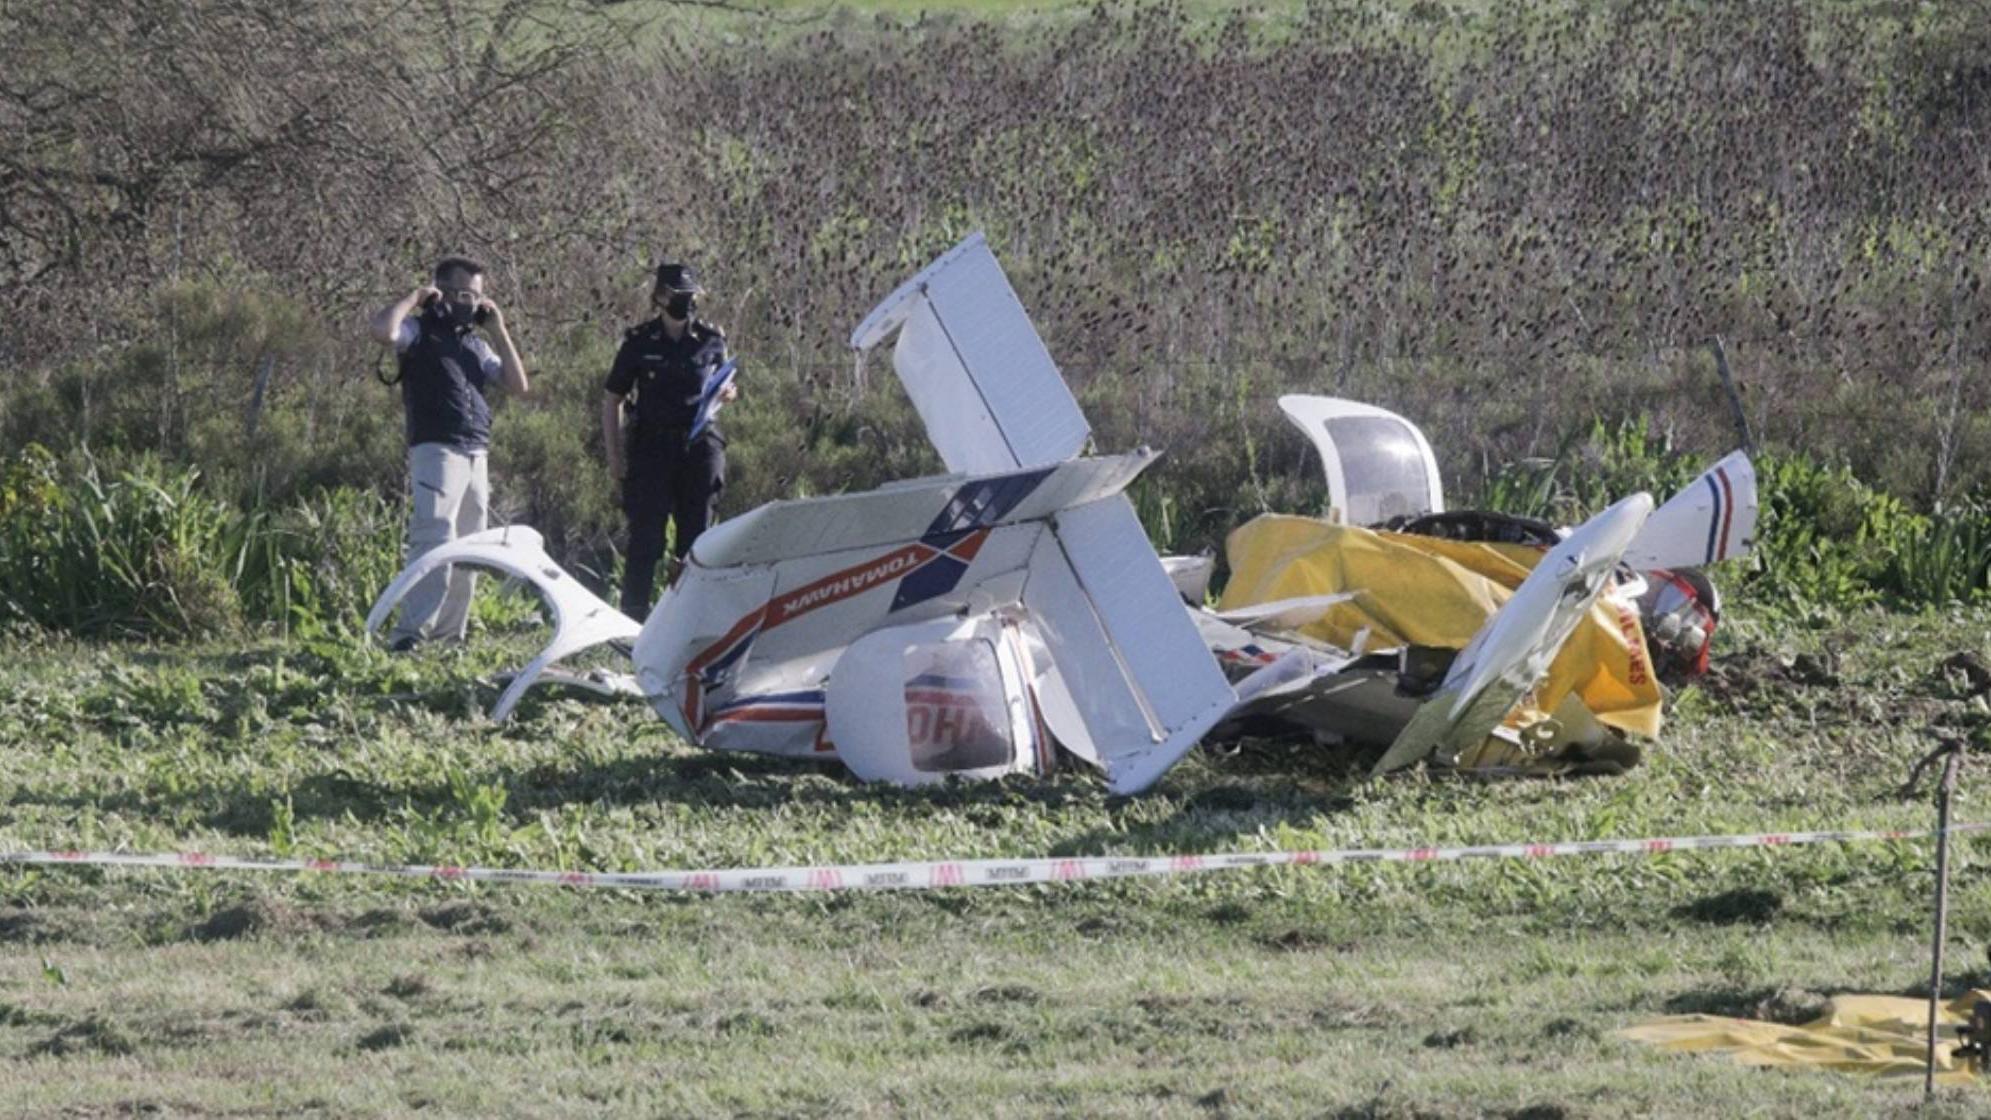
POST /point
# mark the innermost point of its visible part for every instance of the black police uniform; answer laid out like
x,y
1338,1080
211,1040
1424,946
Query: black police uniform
x,y
670,474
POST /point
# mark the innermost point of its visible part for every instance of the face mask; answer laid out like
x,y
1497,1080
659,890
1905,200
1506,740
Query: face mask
x,y
681,305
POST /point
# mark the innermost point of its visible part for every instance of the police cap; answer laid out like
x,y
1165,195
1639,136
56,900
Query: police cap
x,y
675,277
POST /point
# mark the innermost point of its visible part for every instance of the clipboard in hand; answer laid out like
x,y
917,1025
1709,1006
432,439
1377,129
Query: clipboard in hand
x,y
708,397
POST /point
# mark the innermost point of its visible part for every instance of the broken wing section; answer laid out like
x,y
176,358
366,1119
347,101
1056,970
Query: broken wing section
x,y
976,370
1137,688
1513,650
580,619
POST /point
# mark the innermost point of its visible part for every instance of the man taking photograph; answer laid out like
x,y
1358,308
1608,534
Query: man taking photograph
x,y
447,371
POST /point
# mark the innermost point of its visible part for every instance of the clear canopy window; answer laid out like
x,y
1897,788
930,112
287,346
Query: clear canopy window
x,y
1382,466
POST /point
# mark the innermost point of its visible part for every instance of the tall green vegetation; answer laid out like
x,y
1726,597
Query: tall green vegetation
x,y
147,551
1507,221
1824,538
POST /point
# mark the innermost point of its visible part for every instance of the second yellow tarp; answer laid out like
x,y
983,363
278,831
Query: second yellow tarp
x,y
1881,1036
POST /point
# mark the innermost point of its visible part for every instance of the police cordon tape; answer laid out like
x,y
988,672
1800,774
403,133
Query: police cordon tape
x,y
933,874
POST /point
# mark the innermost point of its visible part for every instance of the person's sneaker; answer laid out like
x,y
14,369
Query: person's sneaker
x,y
406,643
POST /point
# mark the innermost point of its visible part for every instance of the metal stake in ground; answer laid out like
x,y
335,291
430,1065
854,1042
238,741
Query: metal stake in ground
x,y
1720,350
1945,792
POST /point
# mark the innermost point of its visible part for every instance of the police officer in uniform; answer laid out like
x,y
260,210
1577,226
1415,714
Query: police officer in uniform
x,y
657,381
446,370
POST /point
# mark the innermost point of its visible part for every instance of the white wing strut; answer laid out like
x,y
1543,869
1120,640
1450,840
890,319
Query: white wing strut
x,y
580,619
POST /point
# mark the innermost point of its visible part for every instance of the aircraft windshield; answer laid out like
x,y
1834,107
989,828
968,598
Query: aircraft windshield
x,y
1383,468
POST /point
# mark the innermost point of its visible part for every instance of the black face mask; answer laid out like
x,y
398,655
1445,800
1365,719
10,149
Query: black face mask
x,y
681,305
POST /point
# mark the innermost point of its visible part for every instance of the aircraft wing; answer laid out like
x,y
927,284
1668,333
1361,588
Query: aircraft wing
x,y
1513,650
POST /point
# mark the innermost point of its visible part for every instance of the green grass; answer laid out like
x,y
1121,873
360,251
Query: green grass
x,y
1455,990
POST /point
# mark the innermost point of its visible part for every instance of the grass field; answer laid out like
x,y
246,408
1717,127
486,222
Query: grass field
x,y
1438,991
1542,230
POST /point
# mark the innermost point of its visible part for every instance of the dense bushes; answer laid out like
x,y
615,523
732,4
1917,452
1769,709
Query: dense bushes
x,y
1824,538
1829,538
148,551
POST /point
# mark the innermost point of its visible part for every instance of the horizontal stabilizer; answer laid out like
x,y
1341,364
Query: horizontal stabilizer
x,y
908,511
976,370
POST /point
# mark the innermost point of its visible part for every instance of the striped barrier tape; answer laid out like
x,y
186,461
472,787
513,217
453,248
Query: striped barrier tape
x,y
931,874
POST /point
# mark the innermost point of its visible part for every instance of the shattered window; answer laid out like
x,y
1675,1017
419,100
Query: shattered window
x,y
1382,466
955,715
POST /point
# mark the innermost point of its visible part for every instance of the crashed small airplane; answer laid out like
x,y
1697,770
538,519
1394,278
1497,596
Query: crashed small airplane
x,y
977,623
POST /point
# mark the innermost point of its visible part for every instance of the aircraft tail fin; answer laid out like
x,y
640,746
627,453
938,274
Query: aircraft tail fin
x,y
1713,518
977,371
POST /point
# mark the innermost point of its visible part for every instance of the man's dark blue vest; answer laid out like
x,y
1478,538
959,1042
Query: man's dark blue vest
x,y
442,388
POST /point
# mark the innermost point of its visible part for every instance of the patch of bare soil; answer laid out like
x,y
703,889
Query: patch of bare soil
x,y
1966,672
467,918
94,1035
258,917
1744,675
31,927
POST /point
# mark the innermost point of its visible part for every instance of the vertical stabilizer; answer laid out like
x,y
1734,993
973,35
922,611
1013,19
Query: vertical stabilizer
x,y
1713,518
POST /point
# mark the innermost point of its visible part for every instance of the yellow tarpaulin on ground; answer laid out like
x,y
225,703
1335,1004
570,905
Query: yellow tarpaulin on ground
x,y
1431,592
1881,1036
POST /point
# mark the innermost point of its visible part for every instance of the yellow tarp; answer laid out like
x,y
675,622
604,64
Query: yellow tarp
x,y
1881,1036
1432,592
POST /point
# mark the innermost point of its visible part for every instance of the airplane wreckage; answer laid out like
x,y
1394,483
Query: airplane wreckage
x,y
978,623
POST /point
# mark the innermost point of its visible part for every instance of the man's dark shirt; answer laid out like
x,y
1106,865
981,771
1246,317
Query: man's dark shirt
x,y
445,373
667,376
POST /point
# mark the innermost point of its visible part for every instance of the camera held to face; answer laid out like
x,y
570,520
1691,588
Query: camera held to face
x,y
461,309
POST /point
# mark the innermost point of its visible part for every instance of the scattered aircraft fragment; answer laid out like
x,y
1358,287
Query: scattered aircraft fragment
x,y
1430,581
979,623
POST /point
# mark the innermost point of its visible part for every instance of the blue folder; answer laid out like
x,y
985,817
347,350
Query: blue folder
x,y
708,398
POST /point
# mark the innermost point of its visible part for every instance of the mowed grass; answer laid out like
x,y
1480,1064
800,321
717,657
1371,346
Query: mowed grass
x,y
1438,991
